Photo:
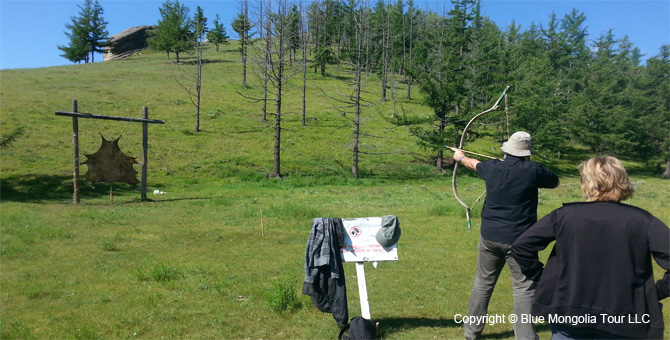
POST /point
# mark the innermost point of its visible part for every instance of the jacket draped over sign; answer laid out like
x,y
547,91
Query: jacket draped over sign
x,y
600,268
324,273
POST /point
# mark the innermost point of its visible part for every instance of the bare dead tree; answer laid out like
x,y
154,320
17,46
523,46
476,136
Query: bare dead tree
x,y
409,60
271,65
386,53
303,45
266,35
355,101
242,26
191,77
245,52
360,24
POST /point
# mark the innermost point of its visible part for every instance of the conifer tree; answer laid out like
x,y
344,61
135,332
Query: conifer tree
x,y
200,23
242,25
652,109
87,33
174,29
218,35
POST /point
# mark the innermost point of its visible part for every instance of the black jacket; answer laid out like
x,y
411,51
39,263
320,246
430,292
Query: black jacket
x,y
511,200
599,269
324,273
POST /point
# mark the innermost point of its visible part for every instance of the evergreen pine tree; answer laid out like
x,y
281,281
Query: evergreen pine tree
x,y
200,23
87,33
218,35
173,33
242,26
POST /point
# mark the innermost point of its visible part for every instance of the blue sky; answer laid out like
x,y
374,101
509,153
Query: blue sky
x,y
31,30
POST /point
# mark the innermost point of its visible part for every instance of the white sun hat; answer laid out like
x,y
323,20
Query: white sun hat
x,y
520,144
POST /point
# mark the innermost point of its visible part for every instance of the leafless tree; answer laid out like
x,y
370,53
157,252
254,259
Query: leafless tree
x,y
271,63
303,45
360,19
191,75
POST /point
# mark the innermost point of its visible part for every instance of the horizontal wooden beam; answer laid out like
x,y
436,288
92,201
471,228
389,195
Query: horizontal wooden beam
x,y
94,116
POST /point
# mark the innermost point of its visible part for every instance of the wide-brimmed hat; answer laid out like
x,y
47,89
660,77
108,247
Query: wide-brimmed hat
x,y
520,144
389,233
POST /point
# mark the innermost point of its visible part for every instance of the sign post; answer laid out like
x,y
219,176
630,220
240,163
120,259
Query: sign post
x,y
360,246
363,290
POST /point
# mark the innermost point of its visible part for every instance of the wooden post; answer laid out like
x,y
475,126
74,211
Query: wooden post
x,y
75,153
145,154
75,139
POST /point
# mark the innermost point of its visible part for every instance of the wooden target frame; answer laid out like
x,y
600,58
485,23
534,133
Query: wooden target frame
x,y
75,142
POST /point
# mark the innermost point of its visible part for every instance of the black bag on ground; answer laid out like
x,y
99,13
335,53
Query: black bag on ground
x,y
359,328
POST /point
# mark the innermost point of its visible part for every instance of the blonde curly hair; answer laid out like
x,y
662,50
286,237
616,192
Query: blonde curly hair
x,y
605,179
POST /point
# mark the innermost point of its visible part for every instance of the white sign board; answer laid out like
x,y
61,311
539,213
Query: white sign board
x,y
360,243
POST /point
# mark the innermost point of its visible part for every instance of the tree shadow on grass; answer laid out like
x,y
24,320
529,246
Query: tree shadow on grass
x,y
568,164
35,188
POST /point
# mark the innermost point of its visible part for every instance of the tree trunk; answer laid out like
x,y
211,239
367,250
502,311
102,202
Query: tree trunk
x,y
245,42
357,99
303,41
440,163
409,87
276,170
439,166
385,56
198,85
411,40
316,46
279,81
268,61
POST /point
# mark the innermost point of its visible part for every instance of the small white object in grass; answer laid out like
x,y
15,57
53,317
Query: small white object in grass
x,y
156,192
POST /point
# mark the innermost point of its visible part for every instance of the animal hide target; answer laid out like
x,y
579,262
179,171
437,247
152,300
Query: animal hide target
x,y
109,164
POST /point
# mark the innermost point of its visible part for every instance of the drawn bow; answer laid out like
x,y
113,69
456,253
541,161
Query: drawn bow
x,y
460,146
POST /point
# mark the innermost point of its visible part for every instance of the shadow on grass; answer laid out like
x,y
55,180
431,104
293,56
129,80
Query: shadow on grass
x,y
218,61
570,158
184,199
394,325
646,171
510,334
187,60
40,188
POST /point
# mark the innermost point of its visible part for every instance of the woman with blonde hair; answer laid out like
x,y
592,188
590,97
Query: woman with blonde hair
x,y
598,282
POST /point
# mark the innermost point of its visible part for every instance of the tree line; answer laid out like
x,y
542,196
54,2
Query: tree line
x,y
568,89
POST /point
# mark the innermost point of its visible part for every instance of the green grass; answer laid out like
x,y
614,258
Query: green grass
x,y
199,261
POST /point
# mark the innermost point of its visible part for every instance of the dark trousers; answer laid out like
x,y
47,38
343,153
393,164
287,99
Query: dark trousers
x,y
491,259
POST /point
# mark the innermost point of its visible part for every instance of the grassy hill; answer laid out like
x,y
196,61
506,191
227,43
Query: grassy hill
x,y
229,122
221,252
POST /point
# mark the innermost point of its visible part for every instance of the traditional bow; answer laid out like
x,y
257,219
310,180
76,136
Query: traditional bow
x,y
460,146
